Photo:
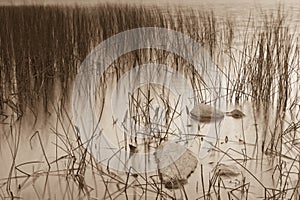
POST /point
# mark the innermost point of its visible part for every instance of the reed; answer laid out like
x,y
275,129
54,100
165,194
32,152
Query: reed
x,y
42,48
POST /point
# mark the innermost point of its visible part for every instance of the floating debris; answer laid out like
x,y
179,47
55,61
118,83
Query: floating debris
x,y
133,148
174,175
226,139
236,114
227,170
205,113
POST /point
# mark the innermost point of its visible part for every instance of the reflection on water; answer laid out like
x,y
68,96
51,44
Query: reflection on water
x,y
253,157
239,147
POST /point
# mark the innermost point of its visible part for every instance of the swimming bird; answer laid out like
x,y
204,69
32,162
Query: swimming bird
x,y
206,113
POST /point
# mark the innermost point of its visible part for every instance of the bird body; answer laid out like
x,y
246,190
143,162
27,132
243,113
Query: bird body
x,y
205,113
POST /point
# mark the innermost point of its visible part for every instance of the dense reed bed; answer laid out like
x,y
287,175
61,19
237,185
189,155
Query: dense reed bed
x,y
43,45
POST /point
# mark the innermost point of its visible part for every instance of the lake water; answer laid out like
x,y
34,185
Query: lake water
x,y
45,160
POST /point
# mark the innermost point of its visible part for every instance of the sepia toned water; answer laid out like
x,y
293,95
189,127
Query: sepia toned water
x,y
39,169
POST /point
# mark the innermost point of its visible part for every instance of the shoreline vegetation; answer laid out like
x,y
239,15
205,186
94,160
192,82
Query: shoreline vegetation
x,y
42,48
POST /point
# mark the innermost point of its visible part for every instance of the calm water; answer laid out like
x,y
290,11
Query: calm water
x,y
226,7
242,135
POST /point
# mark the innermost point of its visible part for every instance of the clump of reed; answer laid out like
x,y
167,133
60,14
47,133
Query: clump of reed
x,y
43,46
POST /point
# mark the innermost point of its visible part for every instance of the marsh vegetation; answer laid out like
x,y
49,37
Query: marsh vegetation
x,y
44,155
